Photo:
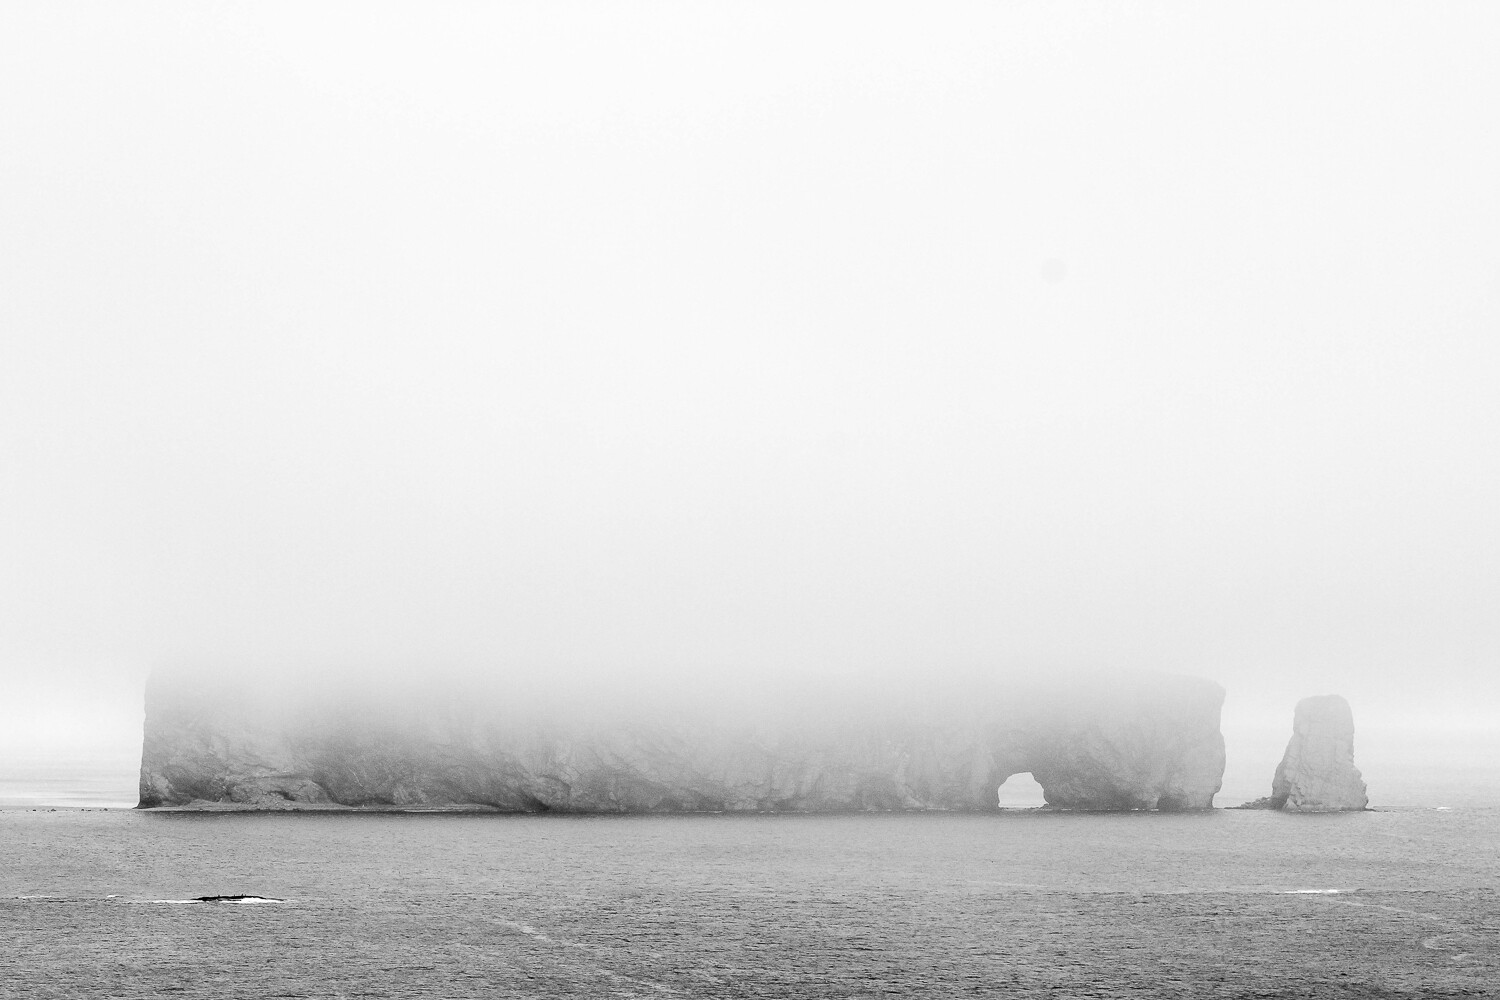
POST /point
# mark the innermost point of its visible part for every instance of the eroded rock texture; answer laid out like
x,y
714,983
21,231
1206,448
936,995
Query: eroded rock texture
x,y
1152,742
1317,772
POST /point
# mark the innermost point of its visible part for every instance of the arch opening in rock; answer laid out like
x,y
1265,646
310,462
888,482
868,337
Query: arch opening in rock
x,y
1021,791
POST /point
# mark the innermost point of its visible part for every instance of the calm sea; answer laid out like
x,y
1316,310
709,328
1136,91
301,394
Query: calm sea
x,y
1221,904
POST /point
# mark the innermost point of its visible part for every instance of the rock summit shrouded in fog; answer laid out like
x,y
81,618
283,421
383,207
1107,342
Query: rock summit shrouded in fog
x,y
1145,742
1317,773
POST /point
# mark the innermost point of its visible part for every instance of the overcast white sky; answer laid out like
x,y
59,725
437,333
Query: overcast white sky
x,y
757,337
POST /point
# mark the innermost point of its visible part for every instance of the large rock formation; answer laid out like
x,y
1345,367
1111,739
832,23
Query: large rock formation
x,y
1317,772
1149,742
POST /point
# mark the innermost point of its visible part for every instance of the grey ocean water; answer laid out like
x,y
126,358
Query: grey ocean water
x,y
1020,903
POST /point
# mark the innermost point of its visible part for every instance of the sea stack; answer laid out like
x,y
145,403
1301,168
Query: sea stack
x,y
1317,773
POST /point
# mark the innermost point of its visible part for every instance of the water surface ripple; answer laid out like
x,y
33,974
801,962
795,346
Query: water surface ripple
x,y
1225,904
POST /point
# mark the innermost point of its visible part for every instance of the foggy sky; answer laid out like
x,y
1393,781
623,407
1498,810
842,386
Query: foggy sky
x,y
752,341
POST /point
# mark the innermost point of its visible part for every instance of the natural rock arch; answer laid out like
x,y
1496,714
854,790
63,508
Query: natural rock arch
x,y
1148,741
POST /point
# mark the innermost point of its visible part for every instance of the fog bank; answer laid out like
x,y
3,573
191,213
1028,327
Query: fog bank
x,y
751,347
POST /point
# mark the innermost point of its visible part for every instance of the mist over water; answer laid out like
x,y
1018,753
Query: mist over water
x,y
752,353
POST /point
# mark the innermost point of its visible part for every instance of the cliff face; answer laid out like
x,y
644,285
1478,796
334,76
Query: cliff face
x,y
1317,773
1150,743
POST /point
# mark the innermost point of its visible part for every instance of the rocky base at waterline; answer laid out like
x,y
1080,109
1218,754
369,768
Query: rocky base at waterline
x,y
1317,772
1147,742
